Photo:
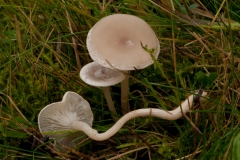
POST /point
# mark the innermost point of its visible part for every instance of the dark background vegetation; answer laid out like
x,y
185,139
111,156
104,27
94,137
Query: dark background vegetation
x,y
43,47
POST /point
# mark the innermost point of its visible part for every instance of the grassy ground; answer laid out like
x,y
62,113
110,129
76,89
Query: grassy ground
x,y
42,49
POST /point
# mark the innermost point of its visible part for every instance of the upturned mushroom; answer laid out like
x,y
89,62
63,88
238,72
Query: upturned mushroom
x,y
115,42
59,117
74,123
99,76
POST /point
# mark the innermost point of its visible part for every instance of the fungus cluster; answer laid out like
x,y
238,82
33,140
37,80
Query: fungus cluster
x,y
115,42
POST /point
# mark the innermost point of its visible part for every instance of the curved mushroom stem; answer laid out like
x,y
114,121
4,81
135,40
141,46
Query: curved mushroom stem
x,y
110,103
168,115
124,95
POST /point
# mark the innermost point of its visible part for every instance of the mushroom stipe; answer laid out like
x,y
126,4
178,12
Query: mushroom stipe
x,y
99,76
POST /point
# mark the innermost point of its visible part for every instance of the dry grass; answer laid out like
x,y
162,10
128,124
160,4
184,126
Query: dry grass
x,y
42,46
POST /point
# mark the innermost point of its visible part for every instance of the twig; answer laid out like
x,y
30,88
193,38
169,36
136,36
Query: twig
x,y
219,9
128,152
187,156
144,141
73,38
15,106
18,33
193,125
78,153
41,142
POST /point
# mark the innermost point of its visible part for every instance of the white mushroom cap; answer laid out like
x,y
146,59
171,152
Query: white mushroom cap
x,y
59,116
117,39
99,76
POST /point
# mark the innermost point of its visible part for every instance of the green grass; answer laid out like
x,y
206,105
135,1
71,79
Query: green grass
x,y
42,49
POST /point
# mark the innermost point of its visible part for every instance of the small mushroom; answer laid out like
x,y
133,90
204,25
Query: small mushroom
x,y
93,134
99,76
59,117
115,42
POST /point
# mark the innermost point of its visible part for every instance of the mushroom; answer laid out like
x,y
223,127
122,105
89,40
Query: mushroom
x,y
115,42
99,76
93,134
59,116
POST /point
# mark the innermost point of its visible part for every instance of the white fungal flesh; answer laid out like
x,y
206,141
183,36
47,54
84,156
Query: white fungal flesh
x,y
168,115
